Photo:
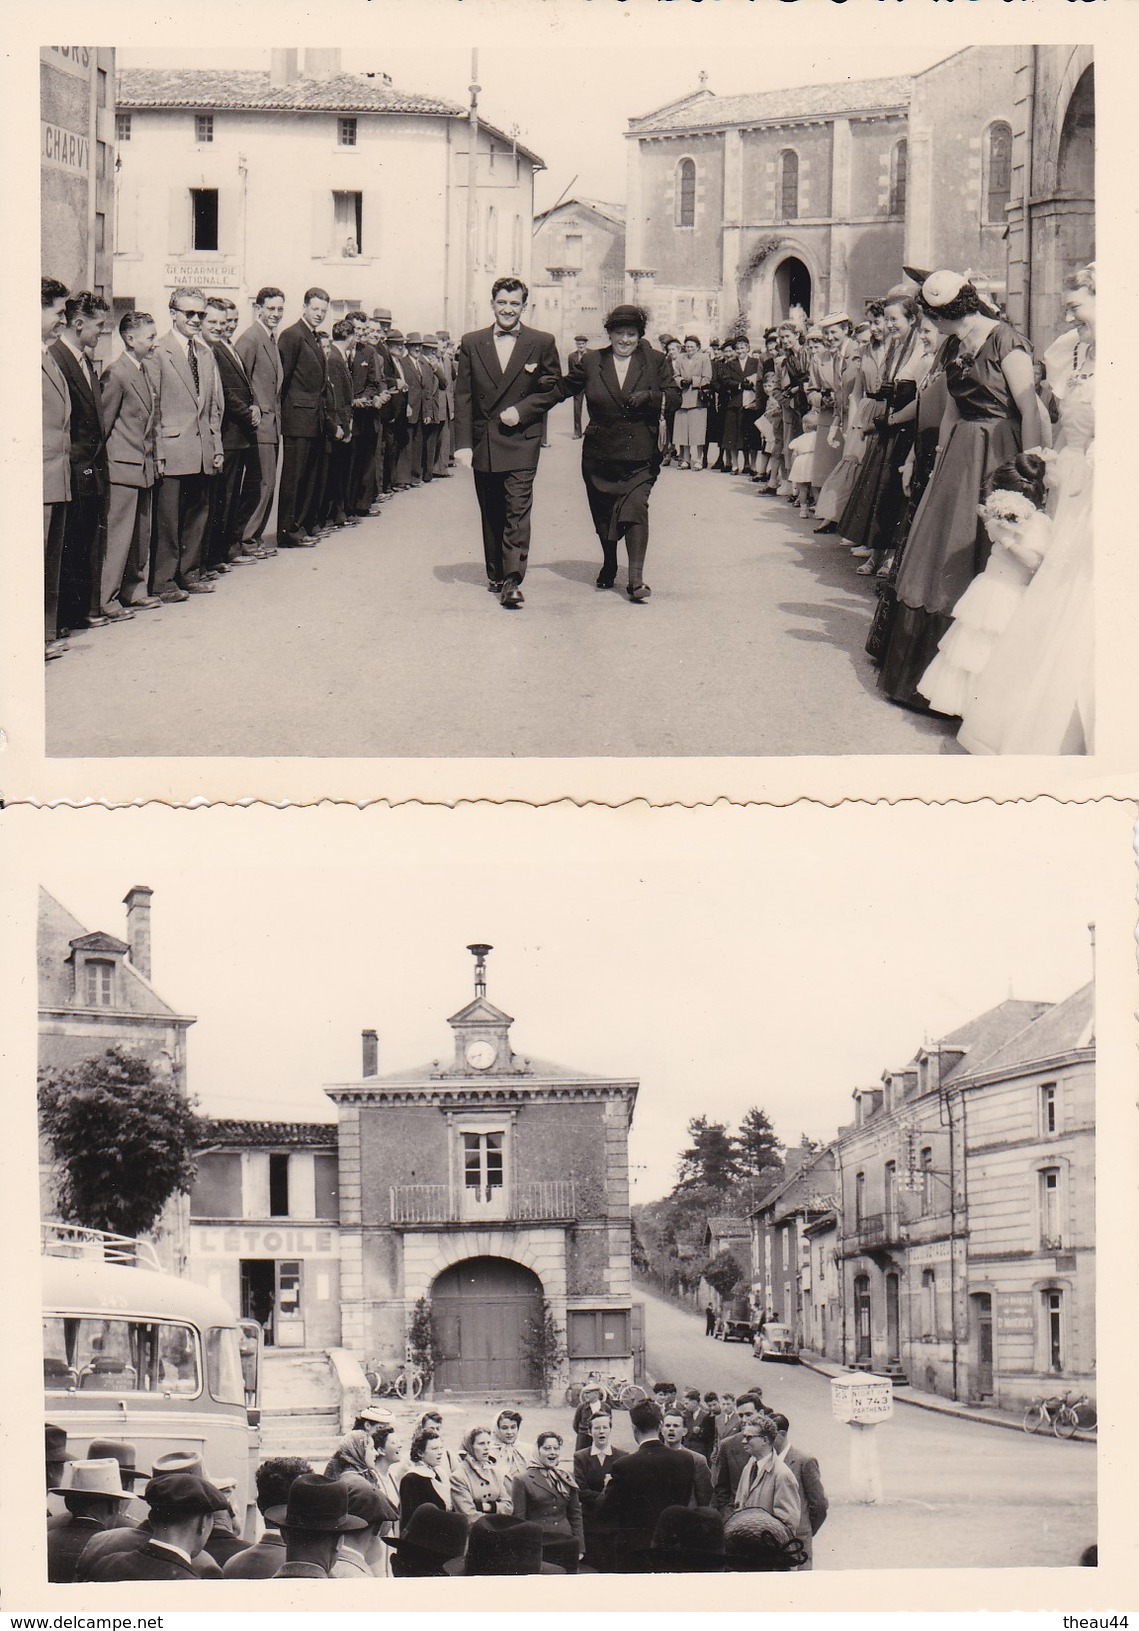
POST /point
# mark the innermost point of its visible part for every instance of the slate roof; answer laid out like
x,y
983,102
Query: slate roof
x,y
532,1072
983,1036
239,1134
706,111
1063,1028
57,929
206,89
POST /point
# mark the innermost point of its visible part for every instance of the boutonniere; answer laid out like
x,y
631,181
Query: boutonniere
x,y
529,366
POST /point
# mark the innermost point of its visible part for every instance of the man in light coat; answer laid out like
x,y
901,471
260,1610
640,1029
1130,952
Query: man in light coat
x,y
189,448
56,456
130,416
813,1497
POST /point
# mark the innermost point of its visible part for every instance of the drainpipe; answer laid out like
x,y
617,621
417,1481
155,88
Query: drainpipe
x,y
1026,216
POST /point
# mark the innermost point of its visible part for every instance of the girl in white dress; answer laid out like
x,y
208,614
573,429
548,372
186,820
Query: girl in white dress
x,y
1019,529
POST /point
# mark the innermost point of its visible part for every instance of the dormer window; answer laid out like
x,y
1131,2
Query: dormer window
x,y
99,982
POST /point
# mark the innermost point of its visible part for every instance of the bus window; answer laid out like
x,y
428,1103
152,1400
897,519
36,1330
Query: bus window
x,y
117,1355
223,1366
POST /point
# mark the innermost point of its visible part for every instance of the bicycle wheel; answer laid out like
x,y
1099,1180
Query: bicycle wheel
x,y
415,1382
630,1395
1066,1422
1089,1421
400,1385
1035,1417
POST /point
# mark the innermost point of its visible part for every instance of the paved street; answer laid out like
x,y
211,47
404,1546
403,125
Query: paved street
x,y
383,641
958,1494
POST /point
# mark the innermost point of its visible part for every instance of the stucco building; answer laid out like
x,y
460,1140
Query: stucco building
x,y
305,175
783,1283
489,1183
578,268
77,165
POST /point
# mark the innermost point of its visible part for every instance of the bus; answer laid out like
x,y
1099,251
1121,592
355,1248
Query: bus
x,y
132,1353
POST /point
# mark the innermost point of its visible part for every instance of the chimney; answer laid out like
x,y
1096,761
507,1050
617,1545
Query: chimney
x,y
322,63
137,903
371,1050
282,68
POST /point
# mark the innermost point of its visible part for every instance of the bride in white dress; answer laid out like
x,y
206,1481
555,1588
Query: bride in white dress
x,y
1036,693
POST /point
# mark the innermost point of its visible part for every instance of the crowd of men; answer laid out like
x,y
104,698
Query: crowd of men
x,y
713,1484
160,471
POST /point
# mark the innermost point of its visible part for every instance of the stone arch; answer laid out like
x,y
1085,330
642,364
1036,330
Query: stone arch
x,y
761,311
1080,62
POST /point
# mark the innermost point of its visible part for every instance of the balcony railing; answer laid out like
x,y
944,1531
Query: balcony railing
x,y
875,1230
553,1200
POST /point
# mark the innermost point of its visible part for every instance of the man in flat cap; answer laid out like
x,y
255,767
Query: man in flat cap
x,y
182,1509
580,345
509,378
117,1541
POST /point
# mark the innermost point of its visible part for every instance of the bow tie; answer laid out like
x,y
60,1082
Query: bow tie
x,y
505,334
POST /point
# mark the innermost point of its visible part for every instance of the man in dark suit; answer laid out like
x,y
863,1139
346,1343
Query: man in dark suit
x,y
239,421
673,1428
129,390
640,1486
337,428
591,1469
82,561
189,448
433,391
304,376
732,1454
257,348
368,373
813,1497
509,378
410,469
56,457
182,1508
580,342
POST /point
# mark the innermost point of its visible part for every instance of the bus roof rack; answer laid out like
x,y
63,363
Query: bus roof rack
x,y
97,1245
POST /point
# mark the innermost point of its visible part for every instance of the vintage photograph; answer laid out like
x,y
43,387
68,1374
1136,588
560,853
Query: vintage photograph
x,y
287,290
678,1226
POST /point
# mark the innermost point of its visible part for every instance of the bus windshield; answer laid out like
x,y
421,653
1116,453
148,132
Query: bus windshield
x,y
91,1354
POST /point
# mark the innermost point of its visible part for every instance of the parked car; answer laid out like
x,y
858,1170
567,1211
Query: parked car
x,y
777,1342
734,1330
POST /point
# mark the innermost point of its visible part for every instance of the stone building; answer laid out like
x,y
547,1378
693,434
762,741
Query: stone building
x,y
783,1284
77,165
304,175
490,1183
579,268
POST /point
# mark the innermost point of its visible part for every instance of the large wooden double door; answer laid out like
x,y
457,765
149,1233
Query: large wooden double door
x,y
482,1308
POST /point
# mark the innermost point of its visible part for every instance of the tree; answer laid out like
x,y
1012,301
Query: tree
x,y
722,1272
423,1347
123,1137
758,1147
710,1161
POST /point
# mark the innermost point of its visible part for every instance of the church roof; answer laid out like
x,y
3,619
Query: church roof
x,y
251,90
706,111
57,934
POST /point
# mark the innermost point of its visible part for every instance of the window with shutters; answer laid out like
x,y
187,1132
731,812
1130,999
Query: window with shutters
x,y
348,224
204,206
789,185
926,1181
686,193
597,1333
929,1302
998,178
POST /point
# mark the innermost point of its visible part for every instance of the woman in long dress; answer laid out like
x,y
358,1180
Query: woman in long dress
x,y
1036,694
625,384
861,376
887,444
992,414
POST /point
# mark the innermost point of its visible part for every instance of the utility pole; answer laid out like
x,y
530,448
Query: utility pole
x,y
472,192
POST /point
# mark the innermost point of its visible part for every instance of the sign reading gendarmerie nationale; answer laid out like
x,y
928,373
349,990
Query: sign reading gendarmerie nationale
x,y
202,274
65,149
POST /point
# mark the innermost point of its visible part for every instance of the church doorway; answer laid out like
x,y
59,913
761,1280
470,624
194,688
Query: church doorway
x,y
482,1308
791,287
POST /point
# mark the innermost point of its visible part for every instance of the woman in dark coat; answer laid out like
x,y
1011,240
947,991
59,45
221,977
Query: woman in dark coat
x,y
626,384
427,1481
545,1495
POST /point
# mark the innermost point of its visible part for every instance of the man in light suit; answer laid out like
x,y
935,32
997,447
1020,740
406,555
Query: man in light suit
x,y
83,534
189,448
304,378
813,1497
257,348
56,456
130,417
509,378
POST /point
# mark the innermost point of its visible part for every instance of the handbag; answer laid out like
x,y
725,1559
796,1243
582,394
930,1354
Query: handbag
x,y
882,623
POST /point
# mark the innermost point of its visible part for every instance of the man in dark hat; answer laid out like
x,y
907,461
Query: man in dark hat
x,y
274,1478
498,1544
362,1555
56,1454
93,1495
580,345
182,1509
509,378
432,1538
686,1540
119,1450
312,1522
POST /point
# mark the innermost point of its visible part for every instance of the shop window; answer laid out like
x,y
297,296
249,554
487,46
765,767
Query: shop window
x,y
204,205
597,1333
99,978
998,166
278,1186
204,127
686,193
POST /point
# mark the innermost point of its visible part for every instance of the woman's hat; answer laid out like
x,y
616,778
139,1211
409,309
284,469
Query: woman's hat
x,y
93,1477
917,274
687,1540
121,1451
500,1545
942,288
376,1414
833,317
316,1503
752,1540
431,1533
626,317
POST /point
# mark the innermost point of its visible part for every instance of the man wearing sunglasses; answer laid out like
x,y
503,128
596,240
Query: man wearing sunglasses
x,y
189,448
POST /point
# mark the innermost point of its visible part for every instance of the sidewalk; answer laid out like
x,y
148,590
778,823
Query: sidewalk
x,y
930,1401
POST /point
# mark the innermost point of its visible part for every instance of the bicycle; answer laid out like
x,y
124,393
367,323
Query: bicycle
x,y
615,1390
1061,1413
406,1383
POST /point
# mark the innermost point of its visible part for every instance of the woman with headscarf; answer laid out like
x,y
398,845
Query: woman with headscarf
x,y
992,415
544,1495
477,1482
354,1456
427,1481
625,384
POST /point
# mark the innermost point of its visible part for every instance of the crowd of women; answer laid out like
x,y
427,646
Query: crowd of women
x,y
954,467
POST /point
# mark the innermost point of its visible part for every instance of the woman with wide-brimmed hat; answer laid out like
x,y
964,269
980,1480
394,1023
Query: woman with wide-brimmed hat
x,y
625,384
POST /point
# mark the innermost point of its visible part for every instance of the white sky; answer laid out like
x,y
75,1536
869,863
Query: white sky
x,y
572,103
724,957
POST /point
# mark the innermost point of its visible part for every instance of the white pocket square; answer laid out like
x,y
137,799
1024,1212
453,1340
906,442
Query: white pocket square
x,y
529,366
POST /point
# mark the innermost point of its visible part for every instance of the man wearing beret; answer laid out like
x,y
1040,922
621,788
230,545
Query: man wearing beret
x,y
114,1542
182,1509
312,1522
509,378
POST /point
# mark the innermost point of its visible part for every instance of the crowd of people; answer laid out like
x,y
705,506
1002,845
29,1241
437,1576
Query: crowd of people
x,y
713,1484
160,472
954,466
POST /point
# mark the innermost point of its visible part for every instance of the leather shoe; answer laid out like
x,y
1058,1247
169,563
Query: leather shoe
x,y
146,605
200,589
639,592
285,542
117,614
606,580
94,620
55,648
495,588
511,595
170,597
